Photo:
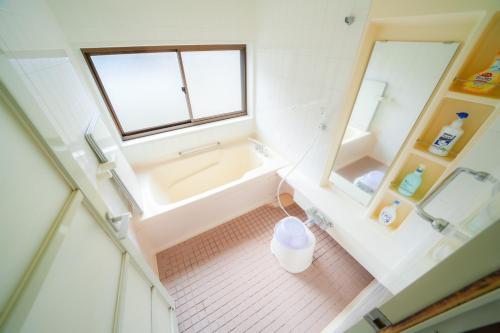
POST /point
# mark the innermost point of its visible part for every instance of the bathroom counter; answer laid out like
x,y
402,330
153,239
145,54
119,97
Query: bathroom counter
x,y
385,253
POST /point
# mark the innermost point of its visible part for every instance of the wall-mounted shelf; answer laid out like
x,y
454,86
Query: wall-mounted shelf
x,y
481,57
478,51
446,114
421,150
431,174
394,192
403,209
472,98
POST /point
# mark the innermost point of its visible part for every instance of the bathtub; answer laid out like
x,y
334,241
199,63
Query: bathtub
x,y
187,195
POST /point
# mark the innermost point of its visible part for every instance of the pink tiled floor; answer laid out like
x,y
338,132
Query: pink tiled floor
x,y
227,280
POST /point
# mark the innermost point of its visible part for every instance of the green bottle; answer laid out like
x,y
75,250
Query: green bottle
x,y
411,182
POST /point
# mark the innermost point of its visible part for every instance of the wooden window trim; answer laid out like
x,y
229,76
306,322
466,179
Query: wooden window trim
x,y
89,52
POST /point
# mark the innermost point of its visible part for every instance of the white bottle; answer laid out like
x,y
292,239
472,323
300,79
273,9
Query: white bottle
x,y
448,136
388,214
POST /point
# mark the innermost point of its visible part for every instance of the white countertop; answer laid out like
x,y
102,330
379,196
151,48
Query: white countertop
x,y
379,249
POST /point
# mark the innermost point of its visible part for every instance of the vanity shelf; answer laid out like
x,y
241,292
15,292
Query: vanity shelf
x,y
404,208
431,174
481,57
421,150
472,98
444,115
394,192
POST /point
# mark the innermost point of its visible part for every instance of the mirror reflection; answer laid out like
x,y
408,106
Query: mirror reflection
x,y
399,79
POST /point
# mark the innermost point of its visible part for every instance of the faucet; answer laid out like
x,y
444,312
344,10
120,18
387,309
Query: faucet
x,y
259,146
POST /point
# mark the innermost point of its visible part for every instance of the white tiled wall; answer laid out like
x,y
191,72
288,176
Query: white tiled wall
x,y
304,57
36,49
43,39
99,23
167,145
108,22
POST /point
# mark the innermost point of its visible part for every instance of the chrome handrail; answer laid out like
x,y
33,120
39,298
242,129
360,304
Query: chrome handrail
x,y
103,159
438,223
208,147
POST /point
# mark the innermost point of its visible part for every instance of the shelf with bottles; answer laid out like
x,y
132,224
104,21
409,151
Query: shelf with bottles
x,y
403,209
430,176
445,114
480,59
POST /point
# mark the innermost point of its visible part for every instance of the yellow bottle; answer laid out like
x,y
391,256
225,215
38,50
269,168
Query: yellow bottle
x,y
484,81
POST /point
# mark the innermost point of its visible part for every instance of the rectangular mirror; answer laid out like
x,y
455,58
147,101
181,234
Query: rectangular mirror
x,y
398,81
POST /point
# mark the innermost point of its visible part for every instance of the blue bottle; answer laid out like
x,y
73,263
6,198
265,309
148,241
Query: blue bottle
x,y
411,182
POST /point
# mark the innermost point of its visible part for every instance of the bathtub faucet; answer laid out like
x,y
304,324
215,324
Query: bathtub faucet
x,y
259,146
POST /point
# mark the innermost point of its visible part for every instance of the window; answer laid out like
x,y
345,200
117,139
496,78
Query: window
x,y
155,89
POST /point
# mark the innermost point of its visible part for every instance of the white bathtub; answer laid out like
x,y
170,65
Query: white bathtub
x,y
187,195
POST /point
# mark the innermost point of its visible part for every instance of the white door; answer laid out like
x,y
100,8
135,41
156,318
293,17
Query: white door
x,y
63,270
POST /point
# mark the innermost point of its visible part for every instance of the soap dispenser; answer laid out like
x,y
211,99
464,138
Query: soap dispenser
x,y
448,136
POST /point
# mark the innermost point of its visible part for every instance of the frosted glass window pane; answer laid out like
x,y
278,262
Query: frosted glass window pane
x,y
214,82
145,89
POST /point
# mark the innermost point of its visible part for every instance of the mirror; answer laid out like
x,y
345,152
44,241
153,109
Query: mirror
x,y
398,81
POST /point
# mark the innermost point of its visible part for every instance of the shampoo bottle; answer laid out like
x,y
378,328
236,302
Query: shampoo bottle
x,y
388,214
411,182
448,136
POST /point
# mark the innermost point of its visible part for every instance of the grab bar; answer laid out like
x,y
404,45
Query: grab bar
x,y
199,149
103,159
438,223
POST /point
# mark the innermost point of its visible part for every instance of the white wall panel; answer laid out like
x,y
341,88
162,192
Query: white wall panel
x,y
32,192
136,315
36,48
162,320
99,23
188,21
79,292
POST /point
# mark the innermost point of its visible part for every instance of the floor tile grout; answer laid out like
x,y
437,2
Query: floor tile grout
x,y
227,280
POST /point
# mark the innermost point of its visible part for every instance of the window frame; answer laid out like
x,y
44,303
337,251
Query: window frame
x,y
89,52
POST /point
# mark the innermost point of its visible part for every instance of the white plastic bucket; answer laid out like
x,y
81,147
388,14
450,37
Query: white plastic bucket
x,y
293,244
